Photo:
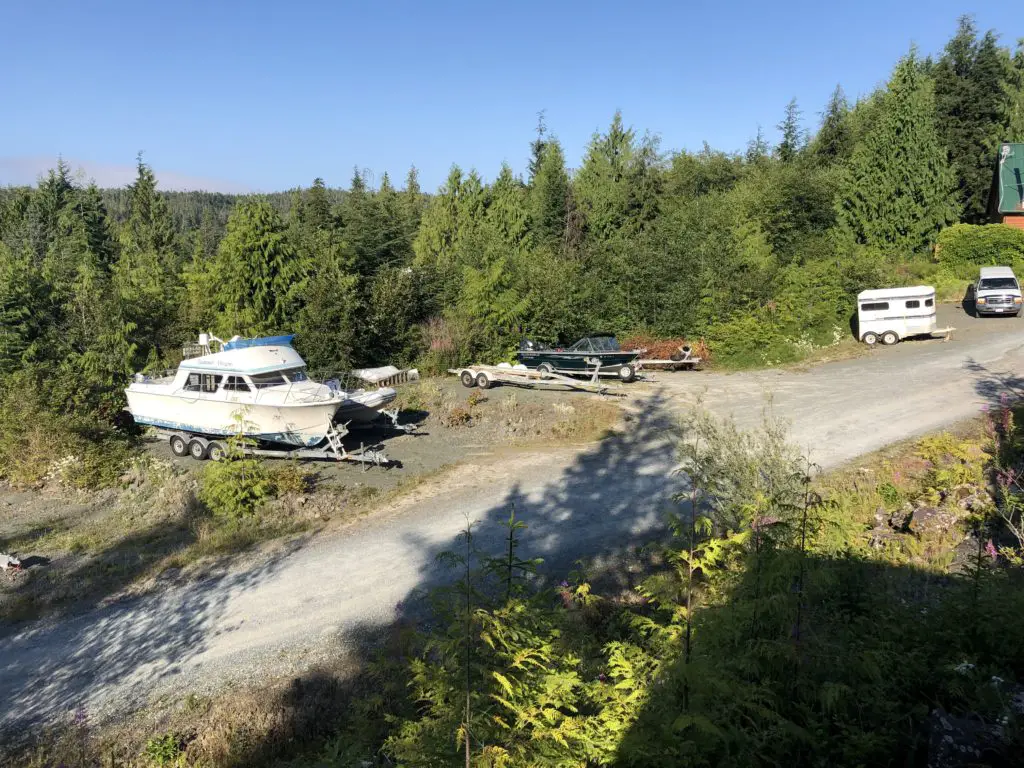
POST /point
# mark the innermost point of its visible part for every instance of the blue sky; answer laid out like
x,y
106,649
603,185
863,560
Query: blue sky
x,y
264,96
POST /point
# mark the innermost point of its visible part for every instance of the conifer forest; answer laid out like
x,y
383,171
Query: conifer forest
x,y
764,634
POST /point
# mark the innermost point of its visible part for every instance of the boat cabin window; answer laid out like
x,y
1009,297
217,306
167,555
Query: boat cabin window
x,y
874,306
295,374
583,345
271,379
913,303
236,384
203,382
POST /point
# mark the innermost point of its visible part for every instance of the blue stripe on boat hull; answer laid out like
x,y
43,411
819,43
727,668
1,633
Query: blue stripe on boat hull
x,y
285,438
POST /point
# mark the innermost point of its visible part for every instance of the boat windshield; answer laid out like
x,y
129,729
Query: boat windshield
x,y
605,344
278,378
269,379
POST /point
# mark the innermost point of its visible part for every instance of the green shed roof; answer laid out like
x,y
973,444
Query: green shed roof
x,y
1009,189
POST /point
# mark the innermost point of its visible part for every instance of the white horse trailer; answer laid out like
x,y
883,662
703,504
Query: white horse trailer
x,y
890,315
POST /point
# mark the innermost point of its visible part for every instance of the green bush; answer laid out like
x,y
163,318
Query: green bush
x,y
164,750
964,247
236,486
37,445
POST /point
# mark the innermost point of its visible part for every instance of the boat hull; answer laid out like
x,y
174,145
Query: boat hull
x,y
302,425
364,406
575,363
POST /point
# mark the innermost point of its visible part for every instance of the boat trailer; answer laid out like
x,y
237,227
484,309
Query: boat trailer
x,y
485,376
686,360
215,448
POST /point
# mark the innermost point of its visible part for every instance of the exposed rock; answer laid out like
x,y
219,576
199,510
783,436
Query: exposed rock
x,y
959,492
927,520
900,519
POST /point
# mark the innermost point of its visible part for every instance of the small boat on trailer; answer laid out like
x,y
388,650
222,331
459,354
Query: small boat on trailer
x,y
253,388
600,351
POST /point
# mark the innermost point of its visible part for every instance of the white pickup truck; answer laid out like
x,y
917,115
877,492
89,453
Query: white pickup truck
x,y
997,292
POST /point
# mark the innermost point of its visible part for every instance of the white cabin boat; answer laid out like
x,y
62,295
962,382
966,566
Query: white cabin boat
x,y
258,387
890,315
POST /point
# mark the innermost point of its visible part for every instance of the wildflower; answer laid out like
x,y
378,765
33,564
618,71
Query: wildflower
x,y
564,584
984,408
602,677
990,550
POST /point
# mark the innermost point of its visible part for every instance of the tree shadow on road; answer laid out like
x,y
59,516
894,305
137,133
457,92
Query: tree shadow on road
x,y
610,501
995,386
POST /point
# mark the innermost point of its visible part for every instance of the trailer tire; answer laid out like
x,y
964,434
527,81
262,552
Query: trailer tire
x,y
545,368
197,449
870,338
889,338
482,381
627,373
179,446
467,379
216,451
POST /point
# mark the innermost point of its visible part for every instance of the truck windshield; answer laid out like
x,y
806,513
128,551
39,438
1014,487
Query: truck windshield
x,y
998,284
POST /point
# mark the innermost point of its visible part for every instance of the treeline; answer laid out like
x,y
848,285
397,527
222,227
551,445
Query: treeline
x,y
758,252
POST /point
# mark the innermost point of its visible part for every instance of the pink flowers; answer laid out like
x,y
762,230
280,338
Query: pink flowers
x,y
990,550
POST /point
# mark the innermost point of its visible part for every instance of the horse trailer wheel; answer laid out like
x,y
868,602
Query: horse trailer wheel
x,y
482,381
178,445
467,379
870,338
889,338
197,450
627,374
216,451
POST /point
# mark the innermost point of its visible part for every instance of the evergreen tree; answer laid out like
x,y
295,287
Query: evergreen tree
x,y
973,100
834,140
549,193
16,317
792,135
259,278
327,323
147,272
757,147
412,203
602,186
537,147
507,211
898,189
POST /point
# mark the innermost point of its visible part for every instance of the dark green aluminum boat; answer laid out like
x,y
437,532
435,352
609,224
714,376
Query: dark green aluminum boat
x,y
581,358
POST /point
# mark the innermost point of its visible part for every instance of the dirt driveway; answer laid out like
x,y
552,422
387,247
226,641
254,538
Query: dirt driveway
x,y
310,600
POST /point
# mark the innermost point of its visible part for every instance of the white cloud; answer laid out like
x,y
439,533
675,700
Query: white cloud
x,y
27,169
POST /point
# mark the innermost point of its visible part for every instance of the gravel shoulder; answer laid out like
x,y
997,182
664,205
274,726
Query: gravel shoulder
x,y
310,600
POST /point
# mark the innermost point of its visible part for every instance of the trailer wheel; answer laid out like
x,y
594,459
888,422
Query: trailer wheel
x,y
467,379
178,445
216,451
482,381
545,368
197,450
627,373
870,338
889,338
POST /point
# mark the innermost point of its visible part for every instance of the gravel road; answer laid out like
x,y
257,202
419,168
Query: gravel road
x,y
306,602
